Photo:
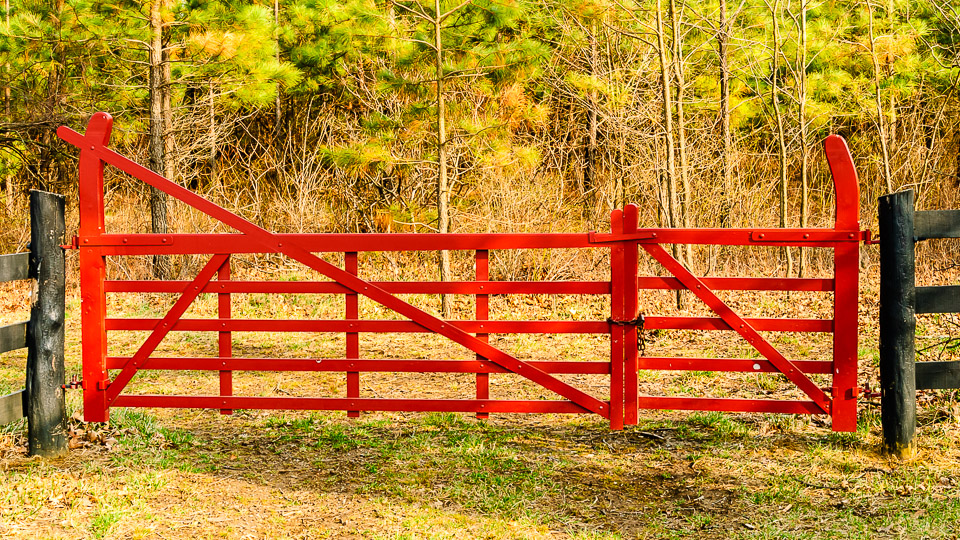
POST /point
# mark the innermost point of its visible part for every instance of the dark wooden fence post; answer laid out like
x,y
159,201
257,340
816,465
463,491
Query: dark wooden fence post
x,y
46,410
898,408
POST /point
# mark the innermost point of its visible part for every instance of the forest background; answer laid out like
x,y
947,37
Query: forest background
x,y
486,115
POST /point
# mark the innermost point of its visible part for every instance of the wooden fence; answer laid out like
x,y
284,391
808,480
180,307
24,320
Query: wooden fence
x,y
42,399
901,227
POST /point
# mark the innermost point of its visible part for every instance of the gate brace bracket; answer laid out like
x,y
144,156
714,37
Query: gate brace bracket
x,y
769,236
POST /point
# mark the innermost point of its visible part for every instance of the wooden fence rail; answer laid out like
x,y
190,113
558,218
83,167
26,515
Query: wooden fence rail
x,y
42,399
901,227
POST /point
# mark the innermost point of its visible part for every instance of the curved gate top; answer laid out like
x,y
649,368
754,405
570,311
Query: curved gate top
x,y
105,377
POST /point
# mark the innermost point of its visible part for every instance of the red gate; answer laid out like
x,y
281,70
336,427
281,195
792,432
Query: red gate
x,y
105,377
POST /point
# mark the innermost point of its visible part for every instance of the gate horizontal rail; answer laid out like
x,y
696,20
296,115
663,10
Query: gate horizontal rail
x,y
490,327
419,365
104,387
193,244
475,287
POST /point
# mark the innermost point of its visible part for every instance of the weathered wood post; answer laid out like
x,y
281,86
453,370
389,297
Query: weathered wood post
x,y
898,323
46,410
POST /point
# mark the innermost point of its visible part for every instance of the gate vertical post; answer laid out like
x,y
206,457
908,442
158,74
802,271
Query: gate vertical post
x,y
483,313
351,265
846,264
46,410
225,338
898,323
93,271
631,306
617,287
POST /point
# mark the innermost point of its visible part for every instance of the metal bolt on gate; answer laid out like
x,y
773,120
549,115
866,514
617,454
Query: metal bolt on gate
x,y
106,377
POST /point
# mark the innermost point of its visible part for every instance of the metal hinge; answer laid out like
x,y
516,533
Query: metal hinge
x,y
121,240
74,243
850,393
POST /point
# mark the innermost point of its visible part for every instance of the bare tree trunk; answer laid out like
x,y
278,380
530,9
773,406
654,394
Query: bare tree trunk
x,y
781,130
6,67
891,20
158,199
277,110
7,178
169,141
671,177
667,111
443,182
724,39
590,155
881,117
681,123
802,118
211,111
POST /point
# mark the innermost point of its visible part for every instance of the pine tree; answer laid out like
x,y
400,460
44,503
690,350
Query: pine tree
x,y
46,57
170,48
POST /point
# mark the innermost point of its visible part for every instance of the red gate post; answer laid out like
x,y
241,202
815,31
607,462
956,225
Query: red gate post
x,y
846,264
224,337
631,307
617,292
351,264
482,272
93,271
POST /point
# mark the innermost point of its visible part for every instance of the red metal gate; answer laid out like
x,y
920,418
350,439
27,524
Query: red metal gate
x,y
105,377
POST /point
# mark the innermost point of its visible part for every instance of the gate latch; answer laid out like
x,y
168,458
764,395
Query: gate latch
x,y
638,322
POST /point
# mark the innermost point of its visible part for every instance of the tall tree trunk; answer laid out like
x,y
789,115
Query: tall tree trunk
x,y
276,104
211,112
443,181
590,152
781,129
881,117
802,120
667,111
681,123
891,21
724,46
7,178
158,199
169,140
665,91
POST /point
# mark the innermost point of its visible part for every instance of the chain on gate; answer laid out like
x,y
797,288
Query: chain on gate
x,y
638,322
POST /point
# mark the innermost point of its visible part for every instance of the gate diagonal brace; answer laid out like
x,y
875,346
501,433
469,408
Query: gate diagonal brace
x,y
737,323
164,326
273,243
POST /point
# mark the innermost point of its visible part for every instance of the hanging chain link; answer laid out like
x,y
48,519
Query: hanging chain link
x,y
641,336
638,322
